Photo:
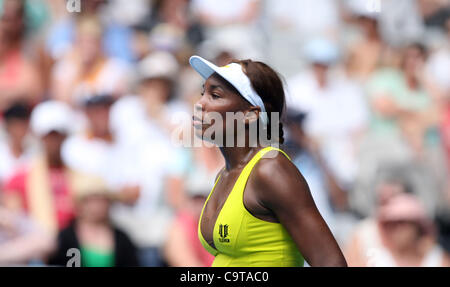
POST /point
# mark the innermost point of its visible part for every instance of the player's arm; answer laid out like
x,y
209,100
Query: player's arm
x,y
282,189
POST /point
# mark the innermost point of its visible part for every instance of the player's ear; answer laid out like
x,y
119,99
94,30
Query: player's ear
x,y
251,115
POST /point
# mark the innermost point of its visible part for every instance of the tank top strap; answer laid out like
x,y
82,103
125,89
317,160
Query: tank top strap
x,y
280,150
248,168
243,177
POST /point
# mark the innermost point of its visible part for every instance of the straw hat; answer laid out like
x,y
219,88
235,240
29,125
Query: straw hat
x,y
84,185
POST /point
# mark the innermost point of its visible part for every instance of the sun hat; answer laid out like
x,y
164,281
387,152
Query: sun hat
x,y
85,184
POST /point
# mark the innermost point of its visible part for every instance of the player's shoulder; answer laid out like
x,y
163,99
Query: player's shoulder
x,y
272,161
275,170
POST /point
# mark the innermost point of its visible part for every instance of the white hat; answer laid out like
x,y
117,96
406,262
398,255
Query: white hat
x,y
233,74
158,64
51,116
369,8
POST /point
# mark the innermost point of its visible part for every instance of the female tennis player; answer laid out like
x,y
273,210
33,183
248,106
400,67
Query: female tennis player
x,y
260,211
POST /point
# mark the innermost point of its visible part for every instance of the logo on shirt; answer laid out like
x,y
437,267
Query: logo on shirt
x,y
223,232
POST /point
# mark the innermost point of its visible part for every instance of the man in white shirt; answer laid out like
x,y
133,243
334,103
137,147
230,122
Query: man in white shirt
x,y
335,106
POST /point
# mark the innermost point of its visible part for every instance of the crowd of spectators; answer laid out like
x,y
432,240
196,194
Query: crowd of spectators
x,y
89,105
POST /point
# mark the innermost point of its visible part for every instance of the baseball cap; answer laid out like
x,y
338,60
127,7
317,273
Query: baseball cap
x,y
98,99
51,116
234,75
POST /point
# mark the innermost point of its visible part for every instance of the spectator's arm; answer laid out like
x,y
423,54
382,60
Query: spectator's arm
x,y
26,241
36,245
353,253
387,107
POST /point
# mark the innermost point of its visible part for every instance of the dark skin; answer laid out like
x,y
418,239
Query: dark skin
x,y
275,192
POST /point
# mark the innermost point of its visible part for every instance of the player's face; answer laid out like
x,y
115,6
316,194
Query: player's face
x,y
218,99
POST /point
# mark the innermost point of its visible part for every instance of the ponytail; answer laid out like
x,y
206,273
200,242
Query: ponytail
x,y
268,85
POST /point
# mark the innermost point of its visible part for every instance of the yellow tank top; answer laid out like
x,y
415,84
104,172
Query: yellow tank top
x,y
244,240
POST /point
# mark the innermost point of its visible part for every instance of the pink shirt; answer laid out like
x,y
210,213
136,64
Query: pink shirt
x,y
63,201
190,226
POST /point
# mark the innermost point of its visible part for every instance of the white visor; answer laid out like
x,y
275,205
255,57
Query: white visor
x,y
234,75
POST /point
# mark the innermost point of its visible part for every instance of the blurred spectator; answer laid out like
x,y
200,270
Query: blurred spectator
x,y
204,165
22,242
438,75
116,37
151,111
289,25
307,18
100,243
141,44
143,125
128,13
42,188
87,150
394,26
183,249
94,150
306,156
364,55
415,177
237,21
213,13
403,128
445,128
135,167
401,98
86,69
337,113
434,12
173,26
401,234
19,79
16,149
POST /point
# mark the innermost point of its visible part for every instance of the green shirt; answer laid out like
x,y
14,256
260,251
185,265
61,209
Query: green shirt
x,y
93,257
391,83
